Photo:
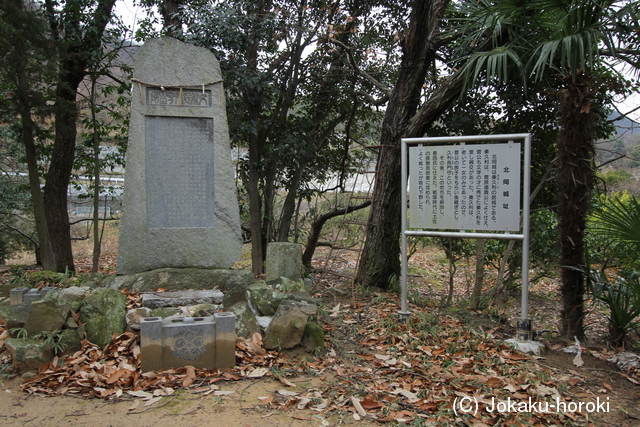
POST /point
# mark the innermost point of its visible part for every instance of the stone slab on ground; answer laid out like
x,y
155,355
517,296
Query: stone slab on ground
x,y
180,298
173,279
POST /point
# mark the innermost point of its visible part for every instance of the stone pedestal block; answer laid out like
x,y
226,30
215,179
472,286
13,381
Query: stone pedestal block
x,y
201,342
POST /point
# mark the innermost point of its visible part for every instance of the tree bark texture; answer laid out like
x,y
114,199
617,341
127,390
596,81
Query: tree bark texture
x,y
575,181
75,57
380,261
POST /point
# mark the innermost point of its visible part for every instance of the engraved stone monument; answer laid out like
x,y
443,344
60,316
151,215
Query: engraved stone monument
x,y
180,203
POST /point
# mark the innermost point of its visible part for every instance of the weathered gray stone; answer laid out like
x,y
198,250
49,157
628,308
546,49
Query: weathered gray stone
x,y
288,285
202,310
313,338
103,314
134,316
284,260
166,312
91,280
180,203
246,323
65,297
287,327
173,279
181,298
301,296
15,316
265,299
28,354
45,316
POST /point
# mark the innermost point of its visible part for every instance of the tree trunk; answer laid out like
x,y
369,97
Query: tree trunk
x,y
380,259
575,181
316,229
58,176
44,254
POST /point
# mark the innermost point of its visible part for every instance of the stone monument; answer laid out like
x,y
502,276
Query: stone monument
x,y
180,202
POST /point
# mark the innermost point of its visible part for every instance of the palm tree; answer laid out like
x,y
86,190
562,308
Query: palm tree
x,y
570,39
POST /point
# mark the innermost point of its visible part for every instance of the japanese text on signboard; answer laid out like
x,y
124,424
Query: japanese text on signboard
x,y
465,187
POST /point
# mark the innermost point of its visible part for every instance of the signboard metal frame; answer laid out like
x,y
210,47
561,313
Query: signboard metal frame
x,y
523,235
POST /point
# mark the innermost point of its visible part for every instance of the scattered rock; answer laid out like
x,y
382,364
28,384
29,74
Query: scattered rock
x,y
246,323
265,299
287,327
15,316
28,354
134,316
45,316
103,314
70,341
284,260
203,310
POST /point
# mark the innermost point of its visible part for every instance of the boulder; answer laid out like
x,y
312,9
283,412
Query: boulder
x,y
287,327
15,316
103,314
28,354
225,280
70,341
45,316
246,323
64,298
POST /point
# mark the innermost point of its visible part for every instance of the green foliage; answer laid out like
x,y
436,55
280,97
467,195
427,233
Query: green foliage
x,y
52,338
621,295
615,241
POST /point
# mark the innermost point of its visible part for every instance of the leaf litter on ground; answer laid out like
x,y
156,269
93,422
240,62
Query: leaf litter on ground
x,y
373,368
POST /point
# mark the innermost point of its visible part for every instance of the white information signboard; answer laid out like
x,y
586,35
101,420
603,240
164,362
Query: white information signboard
x,y
465,187
469,187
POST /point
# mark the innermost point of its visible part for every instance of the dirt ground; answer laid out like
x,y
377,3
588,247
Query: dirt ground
x,y
186,408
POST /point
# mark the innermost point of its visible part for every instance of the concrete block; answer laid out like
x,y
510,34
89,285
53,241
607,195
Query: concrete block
x,y
201,342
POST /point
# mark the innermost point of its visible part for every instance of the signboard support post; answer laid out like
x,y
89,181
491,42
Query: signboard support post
x,y
468,225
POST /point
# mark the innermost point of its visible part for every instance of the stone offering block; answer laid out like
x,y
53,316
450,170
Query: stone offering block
x,y
180,203
201,342
180,298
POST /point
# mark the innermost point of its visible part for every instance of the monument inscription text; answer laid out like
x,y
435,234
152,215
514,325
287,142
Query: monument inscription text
x,y
179,166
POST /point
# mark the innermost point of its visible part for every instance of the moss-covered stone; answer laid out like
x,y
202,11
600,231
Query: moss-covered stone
x,y
246,323
103,314
28,354
265,298
70,341
313,338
